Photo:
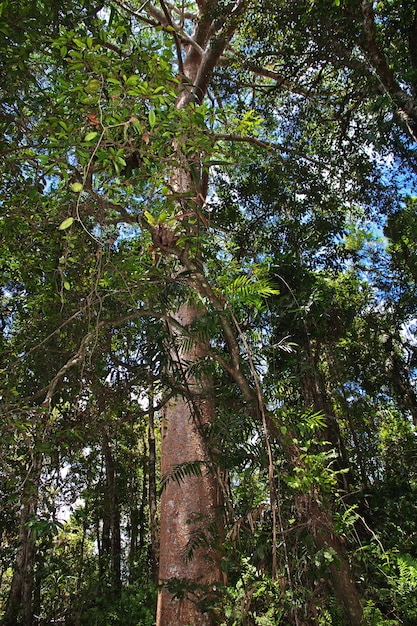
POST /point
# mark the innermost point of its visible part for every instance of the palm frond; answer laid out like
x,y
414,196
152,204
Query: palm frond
x,y
182,471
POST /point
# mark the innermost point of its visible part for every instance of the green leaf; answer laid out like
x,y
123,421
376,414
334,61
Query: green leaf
x,y
152,118
162,217
76,187
66,223
78,42
132,80
92,86
150,218
91,136
67,286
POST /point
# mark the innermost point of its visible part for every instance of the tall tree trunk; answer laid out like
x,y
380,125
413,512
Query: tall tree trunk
x,y
189,509
319,519
19,607
313,385
189,567
318,515
400,378
312,511
113,515
133,508
152,496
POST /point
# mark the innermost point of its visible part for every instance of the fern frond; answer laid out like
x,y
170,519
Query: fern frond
x,y
251,291
182,471
207,536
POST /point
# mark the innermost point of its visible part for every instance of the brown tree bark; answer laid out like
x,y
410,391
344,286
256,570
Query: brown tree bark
x,y
407,109
152,494
19,606
113,512
312,510
189,568
314,513
190,506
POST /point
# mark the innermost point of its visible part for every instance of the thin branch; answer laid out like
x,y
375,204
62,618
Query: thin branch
x,y
78,356
177,41
184,15
74,360
267,145
135,13
157,14
121,320
279,78
162,20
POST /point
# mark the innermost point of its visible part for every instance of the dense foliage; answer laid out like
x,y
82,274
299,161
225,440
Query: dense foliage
x,y
295,242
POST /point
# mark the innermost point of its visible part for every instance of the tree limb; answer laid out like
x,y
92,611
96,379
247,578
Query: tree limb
x,y
214,52
404,103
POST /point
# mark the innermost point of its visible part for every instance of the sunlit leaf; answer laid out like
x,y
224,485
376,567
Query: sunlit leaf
x,y
149,218
66,223
90,136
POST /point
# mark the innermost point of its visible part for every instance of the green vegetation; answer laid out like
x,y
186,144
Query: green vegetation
x,y
208,268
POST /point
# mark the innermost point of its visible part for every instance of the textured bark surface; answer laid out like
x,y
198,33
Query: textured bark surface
x,y
314,514
189,508
113,514
345,588
152,493
19,607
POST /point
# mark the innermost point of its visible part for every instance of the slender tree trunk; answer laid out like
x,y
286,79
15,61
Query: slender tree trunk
x,y
19,607
315,396
318,516
320,521
100,547
113,515
356,443
152,496
401,384
133,512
